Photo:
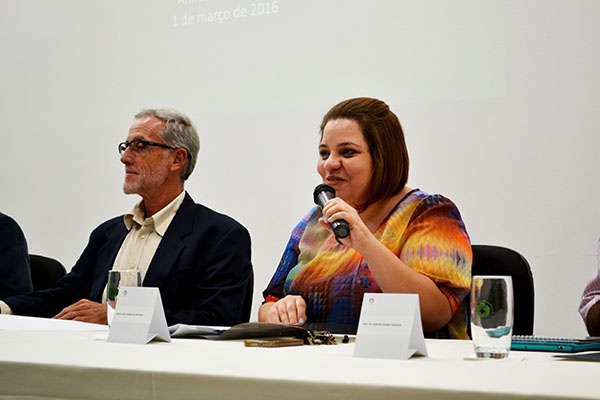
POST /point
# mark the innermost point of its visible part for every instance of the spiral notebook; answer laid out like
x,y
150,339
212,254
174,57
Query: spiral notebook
x,y
554,344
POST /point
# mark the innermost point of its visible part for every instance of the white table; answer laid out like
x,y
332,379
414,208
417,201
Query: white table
x,y
79,365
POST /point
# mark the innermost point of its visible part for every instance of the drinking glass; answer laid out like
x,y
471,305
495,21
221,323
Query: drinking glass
x,y
116,280
492,308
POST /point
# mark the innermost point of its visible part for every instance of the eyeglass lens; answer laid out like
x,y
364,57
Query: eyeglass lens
x,y
136,146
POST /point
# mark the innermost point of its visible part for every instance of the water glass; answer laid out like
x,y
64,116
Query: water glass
x,y
116,280
492,310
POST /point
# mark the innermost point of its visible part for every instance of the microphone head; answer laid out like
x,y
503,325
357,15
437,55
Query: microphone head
x,y
320,189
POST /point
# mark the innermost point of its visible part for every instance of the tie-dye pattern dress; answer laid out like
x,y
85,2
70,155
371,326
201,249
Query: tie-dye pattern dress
x,y
425,231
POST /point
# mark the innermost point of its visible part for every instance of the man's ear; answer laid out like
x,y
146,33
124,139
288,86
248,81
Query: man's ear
x,y
179,159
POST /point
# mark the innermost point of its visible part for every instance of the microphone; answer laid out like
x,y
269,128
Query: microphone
x,y
322,194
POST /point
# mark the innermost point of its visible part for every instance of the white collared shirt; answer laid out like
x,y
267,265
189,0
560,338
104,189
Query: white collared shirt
x,y
144,236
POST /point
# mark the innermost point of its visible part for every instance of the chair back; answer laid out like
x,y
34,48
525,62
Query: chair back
x,y
497,260
45,271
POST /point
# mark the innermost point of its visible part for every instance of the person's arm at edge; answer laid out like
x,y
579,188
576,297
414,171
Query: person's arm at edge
x,y
593,320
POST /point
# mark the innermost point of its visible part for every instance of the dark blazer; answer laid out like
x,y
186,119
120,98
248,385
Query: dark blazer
x,y
15,275
202,268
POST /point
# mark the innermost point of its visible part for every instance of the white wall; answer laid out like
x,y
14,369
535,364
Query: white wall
x,y
499,101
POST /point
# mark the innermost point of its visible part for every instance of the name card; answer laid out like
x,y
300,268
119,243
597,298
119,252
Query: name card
x,y
390,327
139,317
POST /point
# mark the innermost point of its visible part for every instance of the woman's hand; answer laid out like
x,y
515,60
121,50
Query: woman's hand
x,y
291,310
360,236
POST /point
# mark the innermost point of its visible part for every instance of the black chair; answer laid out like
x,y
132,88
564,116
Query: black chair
x,y
496,260
45,271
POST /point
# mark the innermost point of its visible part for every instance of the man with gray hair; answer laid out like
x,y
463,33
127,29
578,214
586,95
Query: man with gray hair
x,y
199,259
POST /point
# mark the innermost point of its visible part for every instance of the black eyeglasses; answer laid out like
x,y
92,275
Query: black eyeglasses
x,y
138,145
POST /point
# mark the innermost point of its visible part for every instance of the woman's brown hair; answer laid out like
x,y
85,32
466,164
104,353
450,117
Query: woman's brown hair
x,y
383,133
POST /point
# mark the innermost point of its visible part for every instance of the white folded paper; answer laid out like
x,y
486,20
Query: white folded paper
x,y
139,317
390,327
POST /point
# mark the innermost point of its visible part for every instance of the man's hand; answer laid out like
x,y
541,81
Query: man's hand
x,y
84,311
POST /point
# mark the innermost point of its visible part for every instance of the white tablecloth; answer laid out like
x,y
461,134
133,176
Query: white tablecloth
x,y
81,365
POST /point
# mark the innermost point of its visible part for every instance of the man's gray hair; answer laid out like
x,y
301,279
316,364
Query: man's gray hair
x,y
179,132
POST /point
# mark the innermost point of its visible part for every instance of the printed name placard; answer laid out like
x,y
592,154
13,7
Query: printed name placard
x,y
139,317
390,327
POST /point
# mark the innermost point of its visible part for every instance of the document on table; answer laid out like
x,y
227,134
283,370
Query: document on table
x,y
21,323
244,330
196,331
